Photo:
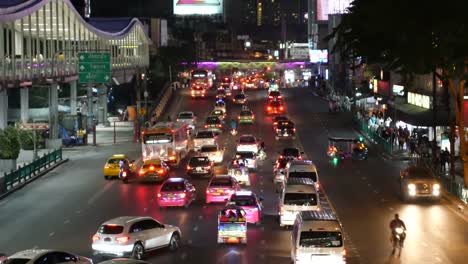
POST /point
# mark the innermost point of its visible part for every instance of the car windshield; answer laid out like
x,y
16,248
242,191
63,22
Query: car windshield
x,y
240,96
274,93
209,149
221,182
212,120
307,199
172,186
245,155
243,200
303,174
199,161
16,261
285,124
205,134
113,161
418,173
147,166
111,229
275,104
185,116
320,239
291,152
245,113
157,138
247,140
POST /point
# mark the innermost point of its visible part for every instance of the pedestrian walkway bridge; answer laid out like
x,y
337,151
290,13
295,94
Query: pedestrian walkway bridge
x,y
40,41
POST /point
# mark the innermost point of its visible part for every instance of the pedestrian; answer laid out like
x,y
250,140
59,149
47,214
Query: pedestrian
x,y
447,157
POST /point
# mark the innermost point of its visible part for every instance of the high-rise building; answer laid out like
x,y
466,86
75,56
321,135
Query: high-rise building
x,y
271,12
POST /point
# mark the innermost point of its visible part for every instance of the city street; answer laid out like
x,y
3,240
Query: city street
x,y
63,209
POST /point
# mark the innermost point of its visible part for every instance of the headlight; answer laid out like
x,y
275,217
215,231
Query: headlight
x,y
411,187
436,187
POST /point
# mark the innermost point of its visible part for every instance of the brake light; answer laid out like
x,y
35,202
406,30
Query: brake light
x,y
188,167
281,211
281,108
317,185
124,174
219,125
269,108
271,97
343,252
294,129
151,168
182,195
207,191
159,195
123,239
206,126
96,238
280,96
253,117
141,172
106,167
275,123
160,171
172,158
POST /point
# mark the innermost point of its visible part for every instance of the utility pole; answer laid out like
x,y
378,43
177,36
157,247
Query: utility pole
x,y
312,27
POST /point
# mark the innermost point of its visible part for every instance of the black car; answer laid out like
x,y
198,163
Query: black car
x,y
200,165
292,153
285,129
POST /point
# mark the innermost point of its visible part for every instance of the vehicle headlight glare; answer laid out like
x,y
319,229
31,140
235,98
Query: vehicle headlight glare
x,y
436,186
411,187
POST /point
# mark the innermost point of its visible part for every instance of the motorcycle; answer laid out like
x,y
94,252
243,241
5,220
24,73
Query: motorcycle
x,y
233,132
398,238
123,175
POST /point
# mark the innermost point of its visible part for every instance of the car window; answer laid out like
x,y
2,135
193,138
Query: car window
x,y
136,227
205,134
243,200
111,229
185,116
212,120
114,161
246,113
275,104
151,224
247,140
199,161
245,155
172,186
285,124
46,259
240,96
18,261
221,182
62,257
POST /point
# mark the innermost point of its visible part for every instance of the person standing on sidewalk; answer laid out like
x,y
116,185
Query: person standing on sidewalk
x,y
445,157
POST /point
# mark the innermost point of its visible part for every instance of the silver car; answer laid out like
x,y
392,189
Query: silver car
x,y
33,256
213,151
133,236
124,261
188,118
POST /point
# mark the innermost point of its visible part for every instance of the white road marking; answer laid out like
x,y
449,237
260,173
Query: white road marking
x,y
98,194
51,234
66,222
195,228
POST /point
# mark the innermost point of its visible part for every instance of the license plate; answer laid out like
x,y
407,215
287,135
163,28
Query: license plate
x,y
220,191
198,169
170,195
215,194
285,134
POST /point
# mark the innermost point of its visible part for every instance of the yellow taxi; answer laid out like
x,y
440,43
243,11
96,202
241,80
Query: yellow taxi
x,y
111,169
153,169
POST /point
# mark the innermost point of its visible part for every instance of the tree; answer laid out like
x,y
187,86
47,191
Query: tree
x,y
417,37
9,143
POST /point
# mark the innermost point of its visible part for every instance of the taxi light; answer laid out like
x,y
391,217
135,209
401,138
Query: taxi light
x,y
159,195
122,239
182,195
151,168
96,238
141,172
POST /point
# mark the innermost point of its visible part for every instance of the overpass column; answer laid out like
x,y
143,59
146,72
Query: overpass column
x,y
73,98
24,102
3,108
53,142
103,105
89,114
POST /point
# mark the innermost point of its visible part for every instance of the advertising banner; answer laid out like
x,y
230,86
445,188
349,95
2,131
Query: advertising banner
x,y
325,7
198,7
318,56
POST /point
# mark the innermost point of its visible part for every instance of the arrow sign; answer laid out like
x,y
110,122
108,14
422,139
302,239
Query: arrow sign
x,y
94,67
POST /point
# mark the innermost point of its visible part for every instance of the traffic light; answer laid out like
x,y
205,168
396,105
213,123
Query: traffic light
x,y
335,161
361,139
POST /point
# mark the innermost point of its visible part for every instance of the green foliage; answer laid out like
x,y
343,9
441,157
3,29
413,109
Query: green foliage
x,y
9,143
26,138
414,36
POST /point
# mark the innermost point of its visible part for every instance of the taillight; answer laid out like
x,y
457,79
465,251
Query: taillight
x,y
294,129
343,252
280,96
317,185
96,238
281,108
269,108
123,239
253,117
188,167
219,125
158,195
151,168
172,158
238,117
271,97
182,195
141,172
281,211
207,167
177,120
160,171
193,92
207,191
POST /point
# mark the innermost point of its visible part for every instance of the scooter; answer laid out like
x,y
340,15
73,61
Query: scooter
x,y
398,237
123,175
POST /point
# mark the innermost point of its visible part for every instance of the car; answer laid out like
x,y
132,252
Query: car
x,y
153,169
278,118
252,205
214,124
198,91
285,129
228,91
188,118
279,167
123,261
214,152
112,168
220,188
275,107
275,96
221,94
246,116
249,157
240,98
176,192
291,153
247,143
418,182
45,256
204,137
220,105
200,165
218,113
134,236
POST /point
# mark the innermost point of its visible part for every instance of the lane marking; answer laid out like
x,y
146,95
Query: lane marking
x,y
98,194
195,228
66,222
51,234
78,211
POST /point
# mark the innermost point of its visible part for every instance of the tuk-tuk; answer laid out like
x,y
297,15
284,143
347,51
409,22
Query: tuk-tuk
x,y
232,225
346,148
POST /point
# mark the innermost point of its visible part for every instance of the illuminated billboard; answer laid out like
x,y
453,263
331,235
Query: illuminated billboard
x,y
318,56
325,7
198,7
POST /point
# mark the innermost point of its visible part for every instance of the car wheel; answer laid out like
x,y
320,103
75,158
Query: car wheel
x,y
138,251
174,243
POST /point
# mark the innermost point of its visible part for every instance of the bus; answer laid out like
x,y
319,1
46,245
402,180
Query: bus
x,y
200,78
168,141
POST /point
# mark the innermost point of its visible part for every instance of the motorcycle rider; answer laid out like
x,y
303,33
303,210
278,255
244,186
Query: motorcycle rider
x,y
394,224
124,166
233,126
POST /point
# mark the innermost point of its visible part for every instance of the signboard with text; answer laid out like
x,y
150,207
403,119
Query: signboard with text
x,y
94,67
198,7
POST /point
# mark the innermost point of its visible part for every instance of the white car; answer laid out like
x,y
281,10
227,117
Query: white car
x,y
134,236
188,118
46,256
214,152
247,143
204,137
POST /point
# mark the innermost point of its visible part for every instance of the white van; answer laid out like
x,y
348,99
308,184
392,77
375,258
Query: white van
x,y
298,195
317,237
302,169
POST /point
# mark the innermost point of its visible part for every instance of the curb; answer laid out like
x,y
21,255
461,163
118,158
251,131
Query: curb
x,y
42,173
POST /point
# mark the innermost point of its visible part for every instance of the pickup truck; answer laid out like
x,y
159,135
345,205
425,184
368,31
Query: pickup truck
x,y
204,137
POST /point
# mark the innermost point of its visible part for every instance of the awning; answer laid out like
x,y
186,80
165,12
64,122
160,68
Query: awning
x,y
418,116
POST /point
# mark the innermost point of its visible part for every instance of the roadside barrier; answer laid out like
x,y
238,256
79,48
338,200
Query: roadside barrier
x,y
373,136
30,170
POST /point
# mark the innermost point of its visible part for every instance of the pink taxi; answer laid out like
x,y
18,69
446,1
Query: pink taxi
x,y
252,205
176,192
220,188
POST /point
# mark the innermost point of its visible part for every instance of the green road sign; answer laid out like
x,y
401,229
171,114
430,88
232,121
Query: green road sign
x,y
94,67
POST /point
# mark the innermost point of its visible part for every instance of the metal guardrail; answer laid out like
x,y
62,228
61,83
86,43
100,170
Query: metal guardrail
x,y
375,137
30,170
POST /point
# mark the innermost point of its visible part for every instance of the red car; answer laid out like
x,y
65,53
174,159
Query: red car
x,y
176,192
275,107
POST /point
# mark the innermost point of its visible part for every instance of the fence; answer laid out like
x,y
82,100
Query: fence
x,y
373,135
30,170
